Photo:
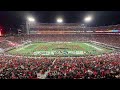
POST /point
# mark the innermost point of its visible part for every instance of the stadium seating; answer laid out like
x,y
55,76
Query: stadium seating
x,y
105,67
20,67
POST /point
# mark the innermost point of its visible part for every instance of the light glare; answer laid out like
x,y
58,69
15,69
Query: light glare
x,y
31,19
59,20
88,19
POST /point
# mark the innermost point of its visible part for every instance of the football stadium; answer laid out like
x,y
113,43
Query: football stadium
x,y
61,51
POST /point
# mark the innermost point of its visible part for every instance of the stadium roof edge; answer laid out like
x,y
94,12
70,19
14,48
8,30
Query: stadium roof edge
x,y
78,24
73,24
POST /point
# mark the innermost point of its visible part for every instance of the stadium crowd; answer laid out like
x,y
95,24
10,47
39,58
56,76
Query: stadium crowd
x,y
22,68
105,67
106,39
84,68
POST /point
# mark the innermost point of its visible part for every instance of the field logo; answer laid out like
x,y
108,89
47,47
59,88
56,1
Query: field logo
x,y
42,53
60,52
76,52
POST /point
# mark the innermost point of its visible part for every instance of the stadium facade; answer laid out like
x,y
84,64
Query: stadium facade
x,y
71,28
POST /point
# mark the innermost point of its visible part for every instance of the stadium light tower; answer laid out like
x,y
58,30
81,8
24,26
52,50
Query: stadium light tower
x,y
28,22
59,20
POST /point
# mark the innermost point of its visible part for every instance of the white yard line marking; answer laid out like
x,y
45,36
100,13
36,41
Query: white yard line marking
x,y
23,47
93,46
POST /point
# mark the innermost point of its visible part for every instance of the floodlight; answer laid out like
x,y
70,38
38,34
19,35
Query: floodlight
x,y
88,19
31,19
59,20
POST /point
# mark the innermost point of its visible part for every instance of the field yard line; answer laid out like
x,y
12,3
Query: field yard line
x,y
23,47
93,46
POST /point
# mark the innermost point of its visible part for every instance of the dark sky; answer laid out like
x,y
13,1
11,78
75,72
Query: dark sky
x,y
100,18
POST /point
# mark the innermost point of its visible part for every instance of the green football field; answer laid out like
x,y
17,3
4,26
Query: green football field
x,y
60,49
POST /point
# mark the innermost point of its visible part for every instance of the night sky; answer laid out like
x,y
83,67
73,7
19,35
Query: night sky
x,y
100,18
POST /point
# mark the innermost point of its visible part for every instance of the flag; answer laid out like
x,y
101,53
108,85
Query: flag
x,y
38,75
22,66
